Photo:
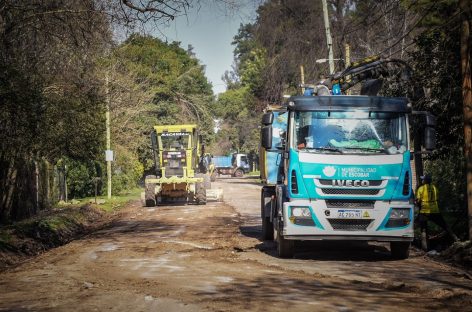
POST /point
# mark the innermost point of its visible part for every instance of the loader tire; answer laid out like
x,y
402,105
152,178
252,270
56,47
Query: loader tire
x,y
200,190
207,181
213,176
149,192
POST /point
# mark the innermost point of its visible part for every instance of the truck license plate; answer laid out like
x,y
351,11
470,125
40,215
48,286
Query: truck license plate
x,y
350,214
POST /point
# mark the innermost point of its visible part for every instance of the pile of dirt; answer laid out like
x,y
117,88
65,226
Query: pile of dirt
x,y
50,229
459,253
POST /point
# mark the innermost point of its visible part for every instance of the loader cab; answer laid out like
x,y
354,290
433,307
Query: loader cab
x,y
176,150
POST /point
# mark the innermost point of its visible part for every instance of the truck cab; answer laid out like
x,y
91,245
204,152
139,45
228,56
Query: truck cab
x,y
342,171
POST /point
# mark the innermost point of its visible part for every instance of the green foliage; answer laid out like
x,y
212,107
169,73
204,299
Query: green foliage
x,y
239,129
80,177
127,171
252,70
436,62
152,83
449,176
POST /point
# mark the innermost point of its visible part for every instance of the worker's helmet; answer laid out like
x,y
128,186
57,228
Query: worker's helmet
x,y
426,178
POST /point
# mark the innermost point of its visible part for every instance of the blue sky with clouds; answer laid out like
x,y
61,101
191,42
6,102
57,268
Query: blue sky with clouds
x,y
210,30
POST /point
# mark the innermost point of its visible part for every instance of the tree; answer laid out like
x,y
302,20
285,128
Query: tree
x,y
51,104
152,83
466,53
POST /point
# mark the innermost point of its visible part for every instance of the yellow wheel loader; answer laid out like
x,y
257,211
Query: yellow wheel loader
x,y
181,169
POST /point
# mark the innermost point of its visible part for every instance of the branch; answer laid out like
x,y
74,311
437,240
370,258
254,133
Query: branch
x,y
149,7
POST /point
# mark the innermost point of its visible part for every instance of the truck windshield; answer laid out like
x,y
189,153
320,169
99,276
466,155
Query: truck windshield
x,y
350,132
174,140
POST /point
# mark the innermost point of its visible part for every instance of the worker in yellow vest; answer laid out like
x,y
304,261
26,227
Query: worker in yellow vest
x,y
427,201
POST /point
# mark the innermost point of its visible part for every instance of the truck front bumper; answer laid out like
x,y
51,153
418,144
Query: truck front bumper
x,y
314,220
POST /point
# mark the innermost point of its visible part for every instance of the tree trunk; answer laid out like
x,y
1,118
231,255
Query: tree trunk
x,y
8,195
466,51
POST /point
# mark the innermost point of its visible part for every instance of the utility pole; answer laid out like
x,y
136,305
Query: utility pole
x,y
302,77
108,158
347,48
329,40
466,52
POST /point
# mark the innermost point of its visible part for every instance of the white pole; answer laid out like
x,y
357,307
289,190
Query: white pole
x,y
329,40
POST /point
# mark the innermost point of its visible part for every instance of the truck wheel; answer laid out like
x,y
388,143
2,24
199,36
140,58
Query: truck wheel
x,y
400,250
239,173
267,227
150,192
285,247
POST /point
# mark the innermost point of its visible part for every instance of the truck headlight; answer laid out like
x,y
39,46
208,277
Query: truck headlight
x,y
400,213
301,212
399,217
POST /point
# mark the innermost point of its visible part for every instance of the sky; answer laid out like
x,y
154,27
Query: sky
x,y
210,30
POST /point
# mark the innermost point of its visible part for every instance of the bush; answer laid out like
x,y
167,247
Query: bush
x,y
127,170
80,177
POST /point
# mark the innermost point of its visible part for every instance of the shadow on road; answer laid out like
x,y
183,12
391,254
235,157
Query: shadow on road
x,y
324,250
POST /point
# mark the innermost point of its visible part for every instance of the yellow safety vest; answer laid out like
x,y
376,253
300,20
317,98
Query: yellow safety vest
x,y
427,195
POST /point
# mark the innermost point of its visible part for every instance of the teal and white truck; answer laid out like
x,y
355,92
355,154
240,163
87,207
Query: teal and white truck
x,y
337,167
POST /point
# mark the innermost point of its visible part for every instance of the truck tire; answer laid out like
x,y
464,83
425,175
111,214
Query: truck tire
x,y
285,247
149,192
400,250
239,173
200,190
267,227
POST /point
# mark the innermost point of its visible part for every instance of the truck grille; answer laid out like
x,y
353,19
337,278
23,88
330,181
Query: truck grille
x,y
367,204
331,191
350,224
330,182
170,172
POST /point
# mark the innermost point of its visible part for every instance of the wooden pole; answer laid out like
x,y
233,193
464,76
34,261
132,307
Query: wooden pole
x,y
348,63
329,40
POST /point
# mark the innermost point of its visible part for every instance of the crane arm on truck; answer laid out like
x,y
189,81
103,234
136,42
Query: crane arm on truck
x,y
371,72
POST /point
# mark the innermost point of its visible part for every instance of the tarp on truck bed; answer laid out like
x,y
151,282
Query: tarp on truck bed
x,y
222,161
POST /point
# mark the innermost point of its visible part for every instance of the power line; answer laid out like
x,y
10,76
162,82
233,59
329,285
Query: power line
x,y
411,29
450,20
359,26
378,18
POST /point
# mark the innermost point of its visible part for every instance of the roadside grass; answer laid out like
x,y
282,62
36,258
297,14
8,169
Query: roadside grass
x,y
103,203
254,173
255,176
59,225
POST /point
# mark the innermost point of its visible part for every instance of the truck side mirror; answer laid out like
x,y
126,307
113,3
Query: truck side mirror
x,y
429,138
266,137
267,119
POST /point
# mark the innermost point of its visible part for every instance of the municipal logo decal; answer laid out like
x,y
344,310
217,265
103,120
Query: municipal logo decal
x,y
329,171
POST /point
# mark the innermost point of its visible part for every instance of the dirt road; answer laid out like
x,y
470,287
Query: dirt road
x,y
210,258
